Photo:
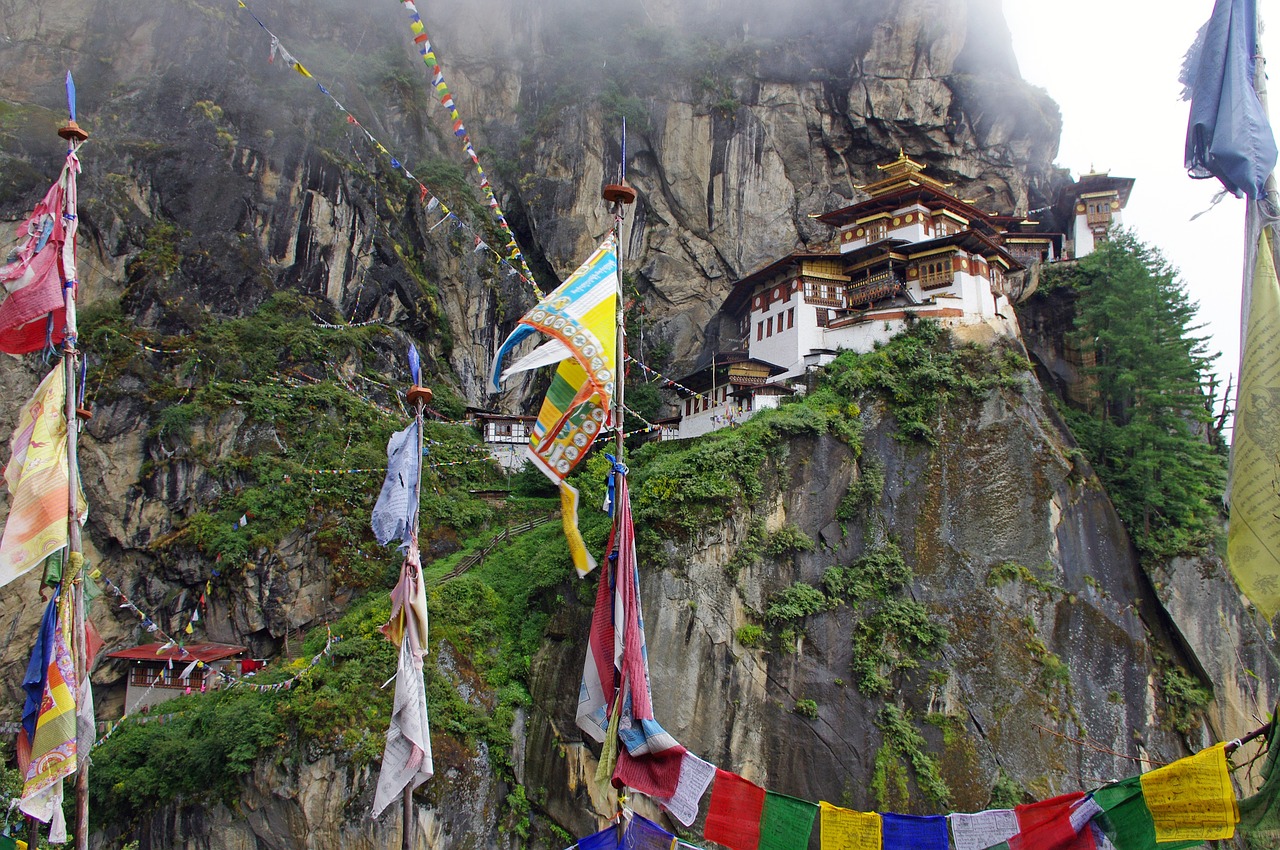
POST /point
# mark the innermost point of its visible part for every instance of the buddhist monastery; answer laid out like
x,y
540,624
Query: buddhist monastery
x,y
911,249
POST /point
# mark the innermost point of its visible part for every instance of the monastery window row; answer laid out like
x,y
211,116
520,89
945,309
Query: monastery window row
x,y
146,677
765,327
706,401
827,294
943,226
936,273
1098,212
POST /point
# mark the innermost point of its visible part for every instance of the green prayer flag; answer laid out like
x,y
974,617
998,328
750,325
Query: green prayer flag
x,y
786,822
1260,813
1126,819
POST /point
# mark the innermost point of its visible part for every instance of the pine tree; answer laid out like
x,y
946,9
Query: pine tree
x,y
1145,422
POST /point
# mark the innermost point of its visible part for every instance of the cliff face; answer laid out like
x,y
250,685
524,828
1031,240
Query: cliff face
x,y
214,179
1055,672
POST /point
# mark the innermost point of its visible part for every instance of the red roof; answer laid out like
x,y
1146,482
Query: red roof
x,y
206,652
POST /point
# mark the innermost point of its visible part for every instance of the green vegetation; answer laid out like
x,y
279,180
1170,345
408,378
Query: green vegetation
x,y
903,754
750,636
806,708
1005,792
304,419
1146,407
891,633
1184,698
921,370
865,493
1003,573
202,752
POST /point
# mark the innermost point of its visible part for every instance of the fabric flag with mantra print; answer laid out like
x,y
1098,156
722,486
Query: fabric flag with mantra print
x,y
914,832
614,703
981,830
695,778
1253,534
786,822
580,317
38,480
845,829
605,839
1260,812
53,748
34,314
1126,820
644,834
1059,823
733,818
1192,798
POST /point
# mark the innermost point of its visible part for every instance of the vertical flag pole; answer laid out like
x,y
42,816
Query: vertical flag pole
x,y
72,578
419,396
619,196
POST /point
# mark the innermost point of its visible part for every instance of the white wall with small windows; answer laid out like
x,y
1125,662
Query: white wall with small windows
x,y
712,410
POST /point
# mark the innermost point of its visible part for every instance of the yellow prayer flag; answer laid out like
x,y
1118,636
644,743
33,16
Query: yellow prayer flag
x,y
301,70
1192,799
37,475
1253,538
845,829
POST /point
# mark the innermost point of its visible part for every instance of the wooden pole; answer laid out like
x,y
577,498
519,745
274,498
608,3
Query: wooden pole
x,y
419,397
73,569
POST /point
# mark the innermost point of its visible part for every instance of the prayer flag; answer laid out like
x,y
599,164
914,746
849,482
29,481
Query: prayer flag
x,y
733,818
1253,534
981,830
614,698
53,747
1192,798
409,608
37,475
1126,820
1228,134
406,760
845,829
1050,825
33,316
914,832
644,834
695,778
1260,813
33,682
397,506
605,839
786,822
580,317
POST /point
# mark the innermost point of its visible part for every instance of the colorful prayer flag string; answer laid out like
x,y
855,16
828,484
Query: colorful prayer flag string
x,y
422,39
666,382
513,260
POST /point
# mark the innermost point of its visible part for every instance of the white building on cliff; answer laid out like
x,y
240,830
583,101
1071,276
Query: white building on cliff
x,y
911,249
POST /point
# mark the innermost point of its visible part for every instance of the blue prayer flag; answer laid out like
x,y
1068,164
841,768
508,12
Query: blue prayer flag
x,y
1228,134
914,832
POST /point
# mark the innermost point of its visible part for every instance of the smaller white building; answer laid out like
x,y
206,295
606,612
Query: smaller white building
x,y
1093,205
158,673
505,435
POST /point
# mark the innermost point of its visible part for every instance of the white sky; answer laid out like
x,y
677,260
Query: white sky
x,y
1112,66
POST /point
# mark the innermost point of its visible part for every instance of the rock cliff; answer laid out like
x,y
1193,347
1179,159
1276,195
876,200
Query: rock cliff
x,y
215,180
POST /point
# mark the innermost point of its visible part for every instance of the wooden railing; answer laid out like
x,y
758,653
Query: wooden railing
x,y
506,534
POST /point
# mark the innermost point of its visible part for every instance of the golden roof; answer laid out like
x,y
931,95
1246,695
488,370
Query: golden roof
x,y
901,173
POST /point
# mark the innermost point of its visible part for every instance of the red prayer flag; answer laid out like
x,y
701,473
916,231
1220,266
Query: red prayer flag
x,y
656,774
1047,825
733,818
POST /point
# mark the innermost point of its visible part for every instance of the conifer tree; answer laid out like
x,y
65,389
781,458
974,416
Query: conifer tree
x,y
1144,422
